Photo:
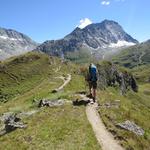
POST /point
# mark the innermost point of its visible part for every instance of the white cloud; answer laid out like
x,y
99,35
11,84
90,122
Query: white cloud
x,y
84,22
119,0
105,2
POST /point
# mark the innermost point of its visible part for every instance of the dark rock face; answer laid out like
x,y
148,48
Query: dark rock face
x,y
94,36
14,43
109,75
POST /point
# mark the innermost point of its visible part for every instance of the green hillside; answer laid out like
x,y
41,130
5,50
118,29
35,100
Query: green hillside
x,y
133,106
32,77
27,79
134,56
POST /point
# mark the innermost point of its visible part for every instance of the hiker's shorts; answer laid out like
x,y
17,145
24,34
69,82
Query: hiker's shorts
x,y
93,84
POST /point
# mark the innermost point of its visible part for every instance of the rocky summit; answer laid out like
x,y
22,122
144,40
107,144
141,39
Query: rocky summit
x,y
98,37
14,43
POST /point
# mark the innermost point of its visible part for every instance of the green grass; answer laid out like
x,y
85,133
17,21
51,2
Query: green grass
x,y
23,73
142,73
134,56
32,77
64,127
134,107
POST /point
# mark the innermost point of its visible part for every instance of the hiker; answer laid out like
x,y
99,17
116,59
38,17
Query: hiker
x,y
92,80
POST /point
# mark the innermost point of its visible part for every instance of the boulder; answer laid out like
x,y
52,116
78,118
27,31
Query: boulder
x,y
11,122
131,126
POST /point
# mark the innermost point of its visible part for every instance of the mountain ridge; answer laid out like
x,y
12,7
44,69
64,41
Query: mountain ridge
x,y
96,36
13,43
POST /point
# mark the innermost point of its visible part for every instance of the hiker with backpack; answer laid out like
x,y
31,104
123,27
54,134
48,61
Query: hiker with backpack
x,y
92,80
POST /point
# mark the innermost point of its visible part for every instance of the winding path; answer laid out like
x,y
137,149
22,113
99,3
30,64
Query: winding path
x,y
105,138
140,58
66,81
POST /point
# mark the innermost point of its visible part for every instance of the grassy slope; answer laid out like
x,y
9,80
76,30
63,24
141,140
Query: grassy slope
x,y
133,106
65,127
134,56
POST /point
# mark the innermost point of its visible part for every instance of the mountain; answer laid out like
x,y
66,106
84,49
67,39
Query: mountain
x,y
14,43
134,56
96,39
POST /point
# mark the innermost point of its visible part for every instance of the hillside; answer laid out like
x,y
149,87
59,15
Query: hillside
x,y
30,78
137,59
27,79
134,56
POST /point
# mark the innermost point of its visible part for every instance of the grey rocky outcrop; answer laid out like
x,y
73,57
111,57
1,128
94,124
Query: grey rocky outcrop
x,y
110,75
131,126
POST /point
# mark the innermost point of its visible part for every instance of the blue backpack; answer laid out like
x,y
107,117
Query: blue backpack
x,y
93,73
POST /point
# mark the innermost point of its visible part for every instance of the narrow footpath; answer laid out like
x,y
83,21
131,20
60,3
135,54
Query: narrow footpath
x,y
105,138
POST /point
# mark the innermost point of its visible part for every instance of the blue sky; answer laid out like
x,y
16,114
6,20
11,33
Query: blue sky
x,y
53,19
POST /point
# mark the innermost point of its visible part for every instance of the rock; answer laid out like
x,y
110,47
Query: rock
x,y
11,122
50,103
131,126
81,102
13,125
110,75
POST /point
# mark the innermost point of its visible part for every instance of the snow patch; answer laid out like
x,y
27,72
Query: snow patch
x,y
12,39
121,44
84,22
3,37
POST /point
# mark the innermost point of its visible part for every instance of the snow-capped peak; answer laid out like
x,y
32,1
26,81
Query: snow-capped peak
x,y
84,22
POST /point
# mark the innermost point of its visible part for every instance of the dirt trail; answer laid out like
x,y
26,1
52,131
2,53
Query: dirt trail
x,y
105,138
66,81
140,58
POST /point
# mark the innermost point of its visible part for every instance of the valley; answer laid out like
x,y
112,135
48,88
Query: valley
x,y
67,126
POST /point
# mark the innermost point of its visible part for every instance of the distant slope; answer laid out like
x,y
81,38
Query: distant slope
x,y
20,74
14,43
134,56
97,39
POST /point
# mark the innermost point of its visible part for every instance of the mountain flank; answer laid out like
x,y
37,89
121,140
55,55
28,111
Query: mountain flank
x,y
14,43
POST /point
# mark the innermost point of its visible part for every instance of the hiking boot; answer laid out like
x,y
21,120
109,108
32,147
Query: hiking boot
x,y
94,100
91,102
